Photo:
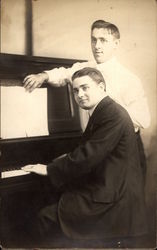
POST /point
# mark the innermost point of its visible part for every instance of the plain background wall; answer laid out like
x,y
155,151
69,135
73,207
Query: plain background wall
x,y
13,26
61,28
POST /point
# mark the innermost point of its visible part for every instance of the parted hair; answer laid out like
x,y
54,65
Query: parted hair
x,y
93,73
112,29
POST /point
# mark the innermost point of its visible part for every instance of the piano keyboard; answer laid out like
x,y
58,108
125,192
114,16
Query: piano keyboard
x,y
13,173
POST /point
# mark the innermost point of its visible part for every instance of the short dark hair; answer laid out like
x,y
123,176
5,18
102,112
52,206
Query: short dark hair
x,y
93,73
112,29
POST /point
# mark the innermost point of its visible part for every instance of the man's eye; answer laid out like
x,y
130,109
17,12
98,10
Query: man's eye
x,y
93,40
85,88
103,40
75,91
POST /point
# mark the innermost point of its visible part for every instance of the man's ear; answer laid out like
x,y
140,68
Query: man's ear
x,y
116,42
101,85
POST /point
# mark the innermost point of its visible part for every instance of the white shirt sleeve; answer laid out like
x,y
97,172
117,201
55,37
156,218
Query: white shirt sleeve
x,y
136,103
60,76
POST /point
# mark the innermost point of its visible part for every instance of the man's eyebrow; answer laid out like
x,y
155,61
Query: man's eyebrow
x,y
99,37
82,85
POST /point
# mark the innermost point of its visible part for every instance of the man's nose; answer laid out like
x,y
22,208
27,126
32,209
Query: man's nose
x,y
80,93
97,44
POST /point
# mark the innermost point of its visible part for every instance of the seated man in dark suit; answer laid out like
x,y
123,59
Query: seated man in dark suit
x,y
101,186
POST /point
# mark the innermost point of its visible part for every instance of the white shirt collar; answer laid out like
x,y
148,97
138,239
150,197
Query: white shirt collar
x,y
108,64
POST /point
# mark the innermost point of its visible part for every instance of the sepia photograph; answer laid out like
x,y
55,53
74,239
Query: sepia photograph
x,y
78,124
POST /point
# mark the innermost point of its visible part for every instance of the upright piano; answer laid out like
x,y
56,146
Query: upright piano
x,y
18,189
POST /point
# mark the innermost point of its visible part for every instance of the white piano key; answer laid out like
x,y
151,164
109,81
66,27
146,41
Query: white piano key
x,y
13,173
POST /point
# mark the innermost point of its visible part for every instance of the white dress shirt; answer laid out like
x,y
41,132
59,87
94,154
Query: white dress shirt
x,y
121,85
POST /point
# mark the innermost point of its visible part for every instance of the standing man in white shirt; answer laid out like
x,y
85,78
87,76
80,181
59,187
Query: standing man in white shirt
x,y
122,85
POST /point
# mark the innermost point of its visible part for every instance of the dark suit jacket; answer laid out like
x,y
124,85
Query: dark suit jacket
x,y
103,193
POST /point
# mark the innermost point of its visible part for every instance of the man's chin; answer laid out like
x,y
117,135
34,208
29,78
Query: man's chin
x,y
84,107
99,59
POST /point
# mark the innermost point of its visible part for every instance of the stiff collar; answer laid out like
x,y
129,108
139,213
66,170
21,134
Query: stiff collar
x,y
107,65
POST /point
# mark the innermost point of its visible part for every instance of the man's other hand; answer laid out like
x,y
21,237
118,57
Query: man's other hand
x,y
34,81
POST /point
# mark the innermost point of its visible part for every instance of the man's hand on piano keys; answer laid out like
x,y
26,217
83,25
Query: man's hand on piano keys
x,y
36,168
